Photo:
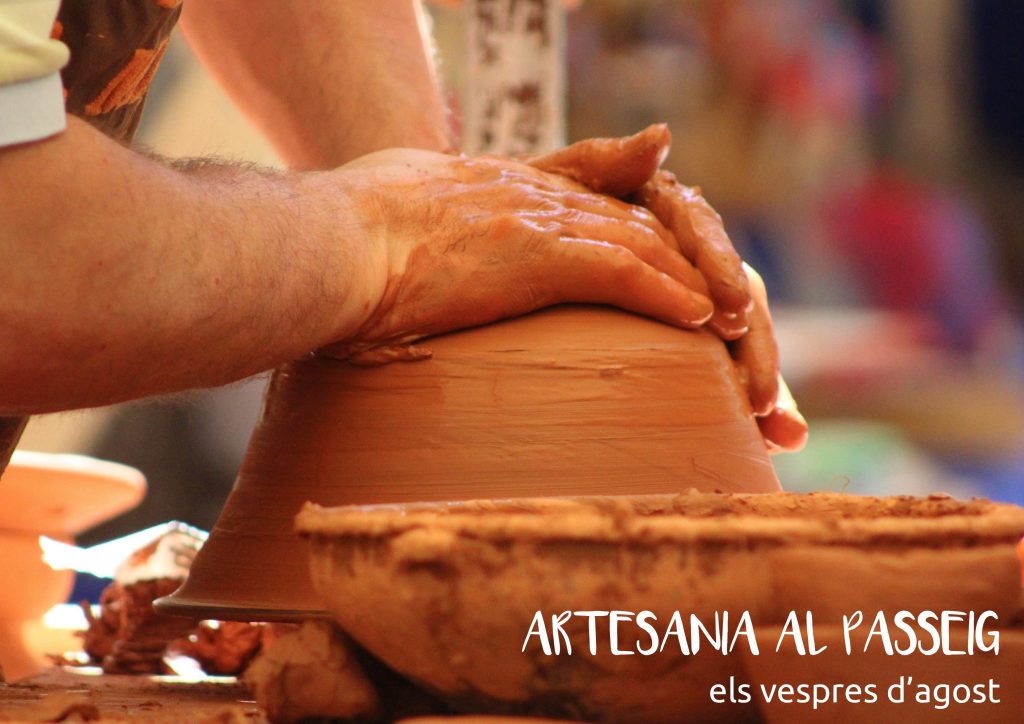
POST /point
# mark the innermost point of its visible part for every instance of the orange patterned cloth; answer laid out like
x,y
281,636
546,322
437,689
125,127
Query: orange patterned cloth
x,y
116,46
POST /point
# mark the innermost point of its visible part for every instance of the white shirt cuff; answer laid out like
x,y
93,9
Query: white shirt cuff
x,y
31,110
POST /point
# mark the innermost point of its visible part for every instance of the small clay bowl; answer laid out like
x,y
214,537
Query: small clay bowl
x,y
446,593
65,494
58,496
571,400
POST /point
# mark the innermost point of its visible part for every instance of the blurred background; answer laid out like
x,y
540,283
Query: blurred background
x,y
867,157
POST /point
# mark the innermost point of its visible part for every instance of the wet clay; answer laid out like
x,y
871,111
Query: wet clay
x,y
445,593
312,673
569,401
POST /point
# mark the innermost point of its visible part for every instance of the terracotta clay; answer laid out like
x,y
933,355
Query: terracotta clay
x,y
38,588
57,496
312,673
128,636
65,494
568,401
445,593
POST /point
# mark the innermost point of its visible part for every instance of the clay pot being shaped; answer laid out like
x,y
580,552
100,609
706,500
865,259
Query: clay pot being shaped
x,y
572,400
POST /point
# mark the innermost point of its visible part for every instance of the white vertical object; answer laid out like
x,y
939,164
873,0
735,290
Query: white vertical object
x,y
514,94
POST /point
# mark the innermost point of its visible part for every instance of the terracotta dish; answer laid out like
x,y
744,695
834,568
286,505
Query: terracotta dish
x,y
65,494
58,496
445,593
569,401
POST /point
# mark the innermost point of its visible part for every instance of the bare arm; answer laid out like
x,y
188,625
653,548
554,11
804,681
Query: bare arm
x,y
325,81
122,277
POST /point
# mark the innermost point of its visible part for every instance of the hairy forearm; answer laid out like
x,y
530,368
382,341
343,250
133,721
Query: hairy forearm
x,y
123,277
325,81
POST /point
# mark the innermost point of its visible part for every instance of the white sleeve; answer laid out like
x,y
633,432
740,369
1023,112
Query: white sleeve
x,y
31,94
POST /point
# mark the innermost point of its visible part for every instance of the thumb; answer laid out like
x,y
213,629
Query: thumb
x,y
613,166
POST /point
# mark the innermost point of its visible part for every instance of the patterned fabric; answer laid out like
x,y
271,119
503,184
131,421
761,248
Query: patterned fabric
x,y
116,46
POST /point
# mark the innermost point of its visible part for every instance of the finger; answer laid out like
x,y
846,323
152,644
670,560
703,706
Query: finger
x,y
547,197
701,236
551,191
643,241
604,206
729,327
613,166
600,272
784,428
757,352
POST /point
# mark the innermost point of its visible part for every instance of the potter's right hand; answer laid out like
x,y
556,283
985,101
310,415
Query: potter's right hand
x,y
453,242
629,167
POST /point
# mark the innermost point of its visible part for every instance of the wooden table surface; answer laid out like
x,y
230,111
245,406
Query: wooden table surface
x,y
216,700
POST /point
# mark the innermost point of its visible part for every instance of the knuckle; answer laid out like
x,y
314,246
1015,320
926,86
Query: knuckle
x,y
623,265
506,223
644,216
539,241
644,233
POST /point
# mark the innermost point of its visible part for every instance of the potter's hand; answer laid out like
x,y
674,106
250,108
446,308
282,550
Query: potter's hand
x,y
741,314
628,168
701,236
613,166
456,242
741,306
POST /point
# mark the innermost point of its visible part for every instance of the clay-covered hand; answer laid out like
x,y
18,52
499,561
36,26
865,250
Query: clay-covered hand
x,y
629,168
700,233
613,166
455,242
756,353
